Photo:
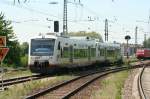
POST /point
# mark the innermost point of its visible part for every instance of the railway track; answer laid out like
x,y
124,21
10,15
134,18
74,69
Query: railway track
x,y
69,88
12,70
18,80
141,90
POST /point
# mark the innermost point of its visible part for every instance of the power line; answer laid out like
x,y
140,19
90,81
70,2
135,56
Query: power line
x,y
40,12
19,1
47,14
89,10
43,13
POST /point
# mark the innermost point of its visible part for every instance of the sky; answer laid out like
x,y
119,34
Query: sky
x,y
30,18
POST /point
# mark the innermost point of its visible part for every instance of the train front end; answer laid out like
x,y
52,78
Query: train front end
x,y
140,54
41,52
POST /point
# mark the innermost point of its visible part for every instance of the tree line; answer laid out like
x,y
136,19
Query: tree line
x,y
146,43
17,51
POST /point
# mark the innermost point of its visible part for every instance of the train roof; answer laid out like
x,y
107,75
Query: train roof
x,y
54,35
44,36
76,39
110,45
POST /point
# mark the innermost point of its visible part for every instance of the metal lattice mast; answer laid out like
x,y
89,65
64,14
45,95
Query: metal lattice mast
x,y
65,27
106,30
135,46
145,39
136,35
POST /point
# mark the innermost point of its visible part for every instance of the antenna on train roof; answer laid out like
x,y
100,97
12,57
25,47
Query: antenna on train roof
x,y
40,34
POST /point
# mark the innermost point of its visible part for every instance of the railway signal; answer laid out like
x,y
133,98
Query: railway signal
x,y
3,52
3,49
127,37
2,41
56,26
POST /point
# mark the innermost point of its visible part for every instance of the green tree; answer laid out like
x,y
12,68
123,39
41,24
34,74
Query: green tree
x,y
89,34
24,48
147,43
24,54
13,56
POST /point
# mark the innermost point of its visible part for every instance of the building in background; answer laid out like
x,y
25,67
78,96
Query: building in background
x,y
131,49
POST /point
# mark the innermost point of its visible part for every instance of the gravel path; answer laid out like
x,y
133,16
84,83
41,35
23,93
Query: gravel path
x,y
127,90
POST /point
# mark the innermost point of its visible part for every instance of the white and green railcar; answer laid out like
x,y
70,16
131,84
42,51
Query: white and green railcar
x,y
50,52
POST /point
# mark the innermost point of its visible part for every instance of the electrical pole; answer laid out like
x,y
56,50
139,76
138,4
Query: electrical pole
x,y
145,40
106,30
65,27
136,28
65,21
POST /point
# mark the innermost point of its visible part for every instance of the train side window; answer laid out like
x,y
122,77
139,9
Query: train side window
x,y
58,46
65,52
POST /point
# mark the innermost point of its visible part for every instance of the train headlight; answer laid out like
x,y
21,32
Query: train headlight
x,y
50,57
35,58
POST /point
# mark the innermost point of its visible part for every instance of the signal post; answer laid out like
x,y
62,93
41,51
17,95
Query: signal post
x,y
3,52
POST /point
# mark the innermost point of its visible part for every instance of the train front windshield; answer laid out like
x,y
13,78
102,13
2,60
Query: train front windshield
x,y
42,47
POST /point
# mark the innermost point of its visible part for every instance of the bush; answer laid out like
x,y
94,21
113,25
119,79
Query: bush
x,y
24,61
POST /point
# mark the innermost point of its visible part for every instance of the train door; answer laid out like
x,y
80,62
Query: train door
x,y
71,53
89,53
105,53
58,52
97,51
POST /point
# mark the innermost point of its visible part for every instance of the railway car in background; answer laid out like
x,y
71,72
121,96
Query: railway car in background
x,y
51,52
143,53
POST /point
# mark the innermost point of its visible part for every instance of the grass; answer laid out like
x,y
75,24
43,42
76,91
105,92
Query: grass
x,y
12,74
132,59
21,90
111,86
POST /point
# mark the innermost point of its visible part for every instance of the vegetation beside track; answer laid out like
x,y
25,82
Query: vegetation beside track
x,y
19,73
21,90
111,86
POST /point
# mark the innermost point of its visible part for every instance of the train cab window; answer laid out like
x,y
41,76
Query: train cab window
x,y
42,47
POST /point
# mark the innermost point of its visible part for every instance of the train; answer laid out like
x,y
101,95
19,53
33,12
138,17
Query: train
x,y
52,52
143,53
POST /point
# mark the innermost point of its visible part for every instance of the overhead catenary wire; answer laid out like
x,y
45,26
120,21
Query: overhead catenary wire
x,y
37,11
77,21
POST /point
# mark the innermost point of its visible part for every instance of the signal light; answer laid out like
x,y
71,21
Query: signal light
x,y
56,26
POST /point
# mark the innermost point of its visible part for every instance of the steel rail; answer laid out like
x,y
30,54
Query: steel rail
x,y
67,96
50,89
13,70
17,80
53,88
140,87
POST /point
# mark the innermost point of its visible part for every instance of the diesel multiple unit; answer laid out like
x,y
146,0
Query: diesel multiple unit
x,y
50,52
